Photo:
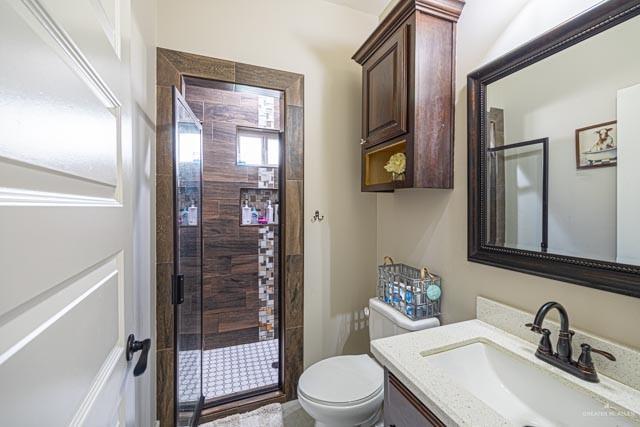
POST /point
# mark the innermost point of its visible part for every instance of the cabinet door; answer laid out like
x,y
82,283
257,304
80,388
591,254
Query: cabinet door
x,y
385,89
403,409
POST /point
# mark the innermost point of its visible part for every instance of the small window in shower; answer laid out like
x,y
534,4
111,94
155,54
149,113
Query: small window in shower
x,y
258,147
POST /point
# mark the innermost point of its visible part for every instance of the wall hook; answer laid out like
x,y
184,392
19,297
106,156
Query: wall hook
x,y
317,217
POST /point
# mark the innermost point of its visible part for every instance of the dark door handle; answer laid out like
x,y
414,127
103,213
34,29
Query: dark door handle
x,y
177,289
134,346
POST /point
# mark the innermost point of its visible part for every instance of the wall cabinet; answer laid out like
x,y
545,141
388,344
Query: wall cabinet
x,y
408,70
403,409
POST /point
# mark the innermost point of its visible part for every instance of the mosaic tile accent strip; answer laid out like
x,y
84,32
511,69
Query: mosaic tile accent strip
x,y
266,283
266,112
266,178
229,370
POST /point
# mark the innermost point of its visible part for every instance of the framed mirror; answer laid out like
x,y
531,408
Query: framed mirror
x,y
554,137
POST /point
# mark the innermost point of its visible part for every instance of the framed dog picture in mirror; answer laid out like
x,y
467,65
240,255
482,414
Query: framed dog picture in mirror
x,y
597,146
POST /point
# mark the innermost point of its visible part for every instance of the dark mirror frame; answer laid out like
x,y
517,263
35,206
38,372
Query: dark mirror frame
x,y
608,276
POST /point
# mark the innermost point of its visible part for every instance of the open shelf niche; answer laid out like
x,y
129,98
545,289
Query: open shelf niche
x,y
259,197
374,161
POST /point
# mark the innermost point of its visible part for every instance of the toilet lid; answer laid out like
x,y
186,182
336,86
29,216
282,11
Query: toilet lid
x,y
342,379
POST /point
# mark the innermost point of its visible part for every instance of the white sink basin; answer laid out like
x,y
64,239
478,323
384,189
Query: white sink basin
x,y
521,392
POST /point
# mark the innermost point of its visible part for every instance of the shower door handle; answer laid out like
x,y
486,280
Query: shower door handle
x,y
177,289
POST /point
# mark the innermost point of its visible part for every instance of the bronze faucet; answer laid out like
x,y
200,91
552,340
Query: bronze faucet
x,y
583,367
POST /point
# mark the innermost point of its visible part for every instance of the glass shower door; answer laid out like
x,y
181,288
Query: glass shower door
x,y
187,279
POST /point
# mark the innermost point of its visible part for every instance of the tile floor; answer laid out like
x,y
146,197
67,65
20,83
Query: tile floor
x,y
294,416
229,370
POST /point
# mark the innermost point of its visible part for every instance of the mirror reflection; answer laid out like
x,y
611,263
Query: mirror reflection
x,y
581,200
518,180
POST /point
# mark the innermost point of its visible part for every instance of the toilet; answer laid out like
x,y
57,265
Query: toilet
x,y
345,391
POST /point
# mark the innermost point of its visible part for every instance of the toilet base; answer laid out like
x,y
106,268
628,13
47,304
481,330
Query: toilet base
x,y
375,421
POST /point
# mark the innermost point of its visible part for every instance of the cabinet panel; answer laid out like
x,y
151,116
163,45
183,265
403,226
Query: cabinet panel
x,y
385,91
403,409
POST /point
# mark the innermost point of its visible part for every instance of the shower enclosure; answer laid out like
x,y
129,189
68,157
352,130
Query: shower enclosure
x,y
226,285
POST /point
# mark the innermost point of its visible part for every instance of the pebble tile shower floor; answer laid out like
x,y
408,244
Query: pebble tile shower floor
x,y
229,370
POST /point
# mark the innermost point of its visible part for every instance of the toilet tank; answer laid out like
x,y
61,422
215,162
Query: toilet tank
x,y
386,321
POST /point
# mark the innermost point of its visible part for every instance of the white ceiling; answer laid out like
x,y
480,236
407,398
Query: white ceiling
x,y
374,7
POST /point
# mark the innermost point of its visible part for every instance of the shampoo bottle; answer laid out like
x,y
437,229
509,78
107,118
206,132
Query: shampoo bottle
x,y
193,214
254,215
184,216
269,213
246,213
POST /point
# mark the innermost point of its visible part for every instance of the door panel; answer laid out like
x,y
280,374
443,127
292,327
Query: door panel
x,y
188,261
88,24
62,322
51,107
65,213
385,91
381,87
55,243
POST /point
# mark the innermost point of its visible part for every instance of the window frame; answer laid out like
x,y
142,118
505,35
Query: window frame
x,y
264,135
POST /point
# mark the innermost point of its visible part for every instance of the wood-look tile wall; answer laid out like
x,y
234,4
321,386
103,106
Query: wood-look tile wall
x,y
172,66
190,326
230,255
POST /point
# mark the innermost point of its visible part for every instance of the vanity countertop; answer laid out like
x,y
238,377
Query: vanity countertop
x,y
405,357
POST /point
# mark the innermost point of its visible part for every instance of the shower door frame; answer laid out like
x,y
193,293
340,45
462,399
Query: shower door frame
x,y
177,97
172,67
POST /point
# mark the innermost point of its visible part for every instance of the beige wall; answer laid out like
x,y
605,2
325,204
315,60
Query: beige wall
x,y
317,39
429,226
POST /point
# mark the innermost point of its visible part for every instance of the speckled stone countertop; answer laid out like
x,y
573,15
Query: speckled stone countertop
x,y
405,357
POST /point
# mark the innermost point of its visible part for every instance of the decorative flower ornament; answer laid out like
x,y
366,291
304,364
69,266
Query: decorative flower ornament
x,y
397,164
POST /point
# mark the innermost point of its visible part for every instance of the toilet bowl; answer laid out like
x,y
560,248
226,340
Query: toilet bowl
x,y
348,391
343,391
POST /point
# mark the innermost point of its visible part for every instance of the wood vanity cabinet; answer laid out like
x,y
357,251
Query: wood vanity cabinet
x,y
403,409
408,78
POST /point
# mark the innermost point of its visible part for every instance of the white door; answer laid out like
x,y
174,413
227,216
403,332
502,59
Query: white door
x,y
65,213
628,176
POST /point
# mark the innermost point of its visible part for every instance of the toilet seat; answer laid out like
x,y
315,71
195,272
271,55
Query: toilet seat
x,y
341,404
342,381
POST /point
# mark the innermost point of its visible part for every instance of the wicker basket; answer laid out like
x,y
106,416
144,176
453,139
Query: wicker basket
x,y
409,290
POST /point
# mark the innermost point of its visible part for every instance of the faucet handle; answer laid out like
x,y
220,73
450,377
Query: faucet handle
x,y
604,353
586,363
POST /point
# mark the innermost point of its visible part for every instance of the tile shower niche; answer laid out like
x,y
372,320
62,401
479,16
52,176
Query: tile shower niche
x,y
259,207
